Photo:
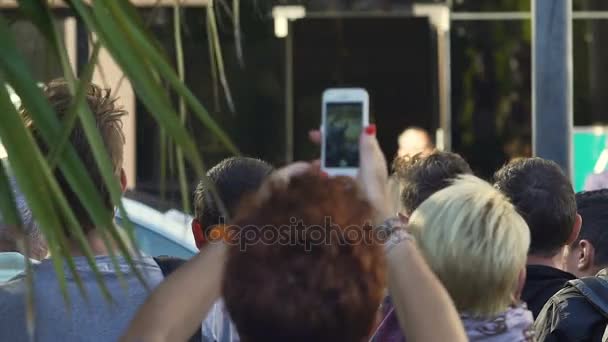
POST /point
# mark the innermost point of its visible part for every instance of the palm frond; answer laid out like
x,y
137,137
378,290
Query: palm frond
x,y
46,24
179,56
238,39
117,28
219,59
49,127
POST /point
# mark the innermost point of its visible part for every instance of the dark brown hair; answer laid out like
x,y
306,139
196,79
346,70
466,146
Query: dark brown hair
x,y
424,174
543,196
233,178
297,287
107,117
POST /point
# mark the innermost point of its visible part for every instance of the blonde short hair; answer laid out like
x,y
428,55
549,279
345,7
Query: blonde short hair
x,y
476,243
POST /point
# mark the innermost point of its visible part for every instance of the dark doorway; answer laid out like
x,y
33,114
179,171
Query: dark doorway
x,y
395,59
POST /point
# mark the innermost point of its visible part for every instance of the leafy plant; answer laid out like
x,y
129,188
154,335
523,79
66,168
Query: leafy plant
x,y
117,27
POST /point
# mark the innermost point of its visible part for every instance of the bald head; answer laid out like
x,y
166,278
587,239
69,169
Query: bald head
x,y
414,140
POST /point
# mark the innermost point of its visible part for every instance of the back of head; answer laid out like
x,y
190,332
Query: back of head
x,y
414,140
232,178
108,119
475,241
308,267
593,207
423,175
544,197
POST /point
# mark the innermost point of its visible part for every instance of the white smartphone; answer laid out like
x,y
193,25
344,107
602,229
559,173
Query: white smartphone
x,y
345,114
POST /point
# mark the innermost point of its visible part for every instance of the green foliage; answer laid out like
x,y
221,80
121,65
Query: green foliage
x,y
118,28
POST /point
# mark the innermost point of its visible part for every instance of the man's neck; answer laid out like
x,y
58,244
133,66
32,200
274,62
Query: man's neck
x,y
95,243
556,261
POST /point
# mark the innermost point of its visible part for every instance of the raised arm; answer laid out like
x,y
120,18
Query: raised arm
x,y
179,304
424,308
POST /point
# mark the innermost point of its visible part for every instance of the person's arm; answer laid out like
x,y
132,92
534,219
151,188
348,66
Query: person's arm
x,y
425,310
178,305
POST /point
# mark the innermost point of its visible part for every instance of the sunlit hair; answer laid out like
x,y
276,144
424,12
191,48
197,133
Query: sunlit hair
x,y
108,120
543,195
306,289
475,242
424,174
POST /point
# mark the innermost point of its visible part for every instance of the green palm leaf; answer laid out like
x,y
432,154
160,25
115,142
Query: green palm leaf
x,y
136,35
46,121
179,56
18,142
118,28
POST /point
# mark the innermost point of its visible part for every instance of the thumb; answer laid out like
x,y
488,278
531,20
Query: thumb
x,y
370,154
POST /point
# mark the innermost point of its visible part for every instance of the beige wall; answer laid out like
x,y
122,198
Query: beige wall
x,y
108,75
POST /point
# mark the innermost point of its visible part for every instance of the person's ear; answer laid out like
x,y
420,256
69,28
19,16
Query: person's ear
x,y
123,180
198,233
586,256
576,229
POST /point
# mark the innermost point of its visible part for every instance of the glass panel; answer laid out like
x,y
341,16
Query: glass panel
x,y
33,47
491,6
491,96
590,102
590,73
258,125
590,5
398,71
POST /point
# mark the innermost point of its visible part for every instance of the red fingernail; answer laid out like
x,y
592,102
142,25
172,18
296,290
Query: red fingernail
x,y
324,174
371,129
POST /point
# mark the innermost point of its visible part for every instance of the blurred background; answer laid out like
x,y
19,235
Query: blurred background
x,y
460,69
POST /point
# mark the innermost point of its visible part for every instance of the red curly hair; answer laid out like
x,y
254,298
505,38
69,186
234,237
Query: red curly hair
x,y
305,278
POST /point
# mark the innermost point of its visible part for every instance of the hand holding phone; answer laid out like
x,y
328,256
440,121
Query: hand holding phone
x,y
345,114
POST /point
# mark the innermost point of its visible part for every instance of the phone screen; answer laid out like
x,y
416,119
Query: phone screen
x,y
343,125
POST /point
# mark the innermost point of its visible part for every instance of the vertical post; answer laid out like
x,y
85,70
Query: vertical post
x,y
552,81
445,67
439,17
70,40
289,95
82,46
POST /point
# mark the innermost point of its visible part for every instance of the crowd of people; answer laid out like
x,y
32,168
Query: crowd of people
x,y
429,253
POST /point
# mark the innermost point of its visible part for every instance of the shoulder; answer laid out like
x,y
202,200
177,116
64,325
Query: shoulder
x,y
11,297
12,287
168,264
567,315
